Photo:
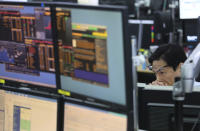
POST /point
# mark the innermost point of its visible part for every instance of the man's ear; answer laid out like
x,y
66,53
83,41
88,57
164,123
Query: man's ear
x,y
178,69
180,64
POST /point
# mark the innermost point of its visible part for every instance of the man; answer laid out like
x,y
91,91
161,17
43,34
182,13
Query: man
x,y
166,63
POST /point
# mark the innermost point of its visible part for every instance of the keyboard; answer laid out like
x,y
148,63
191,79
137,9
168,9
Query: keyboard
x,y
163,88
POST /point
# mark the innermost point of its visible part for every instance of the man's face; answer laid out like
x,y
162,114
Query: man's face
x,y
164,73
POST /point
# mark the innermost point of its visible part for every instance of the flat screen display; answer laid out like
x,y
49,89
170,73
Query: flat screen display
x,y
21,112
144,32
26,45
190,29
91,52
78,117
189,9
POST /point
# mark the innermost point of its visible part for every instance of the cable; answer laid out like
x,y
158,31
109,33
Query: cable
x,y
196,122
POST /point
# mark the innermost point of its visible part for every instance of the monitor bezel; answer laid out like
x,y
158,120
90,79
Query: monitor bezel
x,y
30,92
184,23
128,108
52,96
15,83
126,48
98,107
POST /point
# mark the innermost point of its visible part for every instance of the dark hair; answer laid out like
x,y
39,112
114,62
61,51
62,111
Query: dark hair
x,y
172,54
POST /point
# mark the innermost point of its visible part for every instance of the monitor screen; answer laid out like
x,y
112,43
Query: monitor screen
x,y
92,53
26,112
189,9
78,117
26,45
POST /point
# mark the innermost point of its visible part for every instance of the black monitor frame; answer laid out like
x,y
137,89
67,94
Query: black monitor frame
x,y
56,97
16,83
127,52
166,116
98,106
128,108
156,97
186,23
127,49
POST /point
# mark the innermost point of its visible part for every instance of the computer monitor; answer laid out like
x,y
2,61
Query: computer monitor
x,y
144,31
94,55
190,32
26,45
20,111
157,109
189,9
85,118
162,117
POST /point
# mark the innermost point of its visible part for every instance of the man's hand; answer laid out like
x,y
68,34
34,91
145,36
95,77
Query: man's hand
x,y
160,83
